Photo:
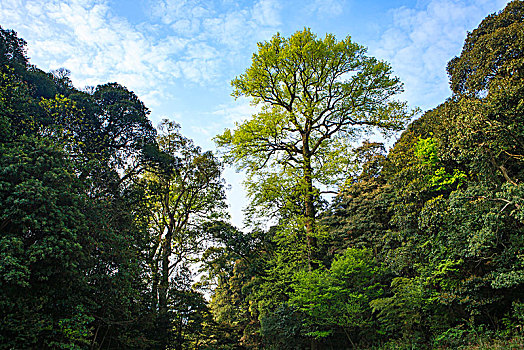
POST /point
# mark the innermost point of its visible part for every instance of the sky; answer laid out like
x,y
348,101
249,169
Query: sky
x,y
179,56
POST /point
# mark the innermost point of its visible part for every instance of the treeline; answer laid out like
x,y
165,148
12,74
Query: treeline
x,y
423,247
101,215
105,221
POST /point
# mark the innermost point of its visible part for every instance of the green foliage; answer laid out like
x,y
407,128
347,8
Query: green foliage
x,y
487,77
70,268
426,151
184,195
102,222
338,298
442,212
284,329
402,313
360,214
43,226
317,95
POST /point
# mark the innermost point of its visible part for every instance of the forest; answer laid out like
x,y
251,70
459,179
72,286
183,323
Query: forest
x,y
115,234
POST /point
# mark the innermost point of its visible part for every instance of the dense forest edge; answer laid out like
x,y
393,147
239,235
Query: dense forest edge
x,y
114,234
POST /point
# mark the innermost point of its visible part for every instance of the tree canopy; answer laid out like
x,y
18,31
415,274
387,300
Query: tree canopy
x,y
316,97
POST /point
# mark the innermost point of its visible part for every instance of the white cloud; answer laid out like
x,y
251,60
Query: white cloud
x,y
170,11
153,97
220,22
186,26
228,29
96,46
421,42
236,111
266,13
328,8
204,131
194,41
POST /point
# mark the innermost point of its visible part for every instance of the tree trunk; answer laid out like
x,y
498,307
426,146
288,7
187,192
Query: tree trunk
x,y
164,276
154,284
163,289
309,203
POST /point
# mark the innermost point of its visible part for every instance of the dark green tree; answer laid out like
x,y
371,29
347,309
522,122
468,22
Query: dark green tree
x,y
70,232
44,301
185,192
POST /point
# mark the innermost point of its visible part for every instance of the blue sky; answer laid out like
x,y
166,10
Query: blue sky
x,y
179,56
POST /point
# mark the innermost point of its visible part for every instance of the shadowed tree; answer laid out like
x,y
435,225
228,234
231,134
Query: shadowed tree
x,y
185,191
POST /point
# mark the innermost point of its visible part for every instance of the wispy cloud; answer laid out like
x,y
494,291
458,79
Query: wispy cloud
x,y
192,41
266,13
236,111
328,8
87,39
184,16
220,22
422,40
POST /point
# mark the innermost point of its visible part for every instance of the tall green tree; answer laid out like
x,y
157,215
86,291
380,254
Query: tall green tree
x,y
316,97
185,192
487,82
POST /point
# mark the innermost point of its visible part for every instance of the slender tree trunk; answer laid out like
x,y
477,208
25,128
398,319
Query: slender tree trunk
x,y
310,212
93,343
500,168
154,284
349,338
163,289
164,276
